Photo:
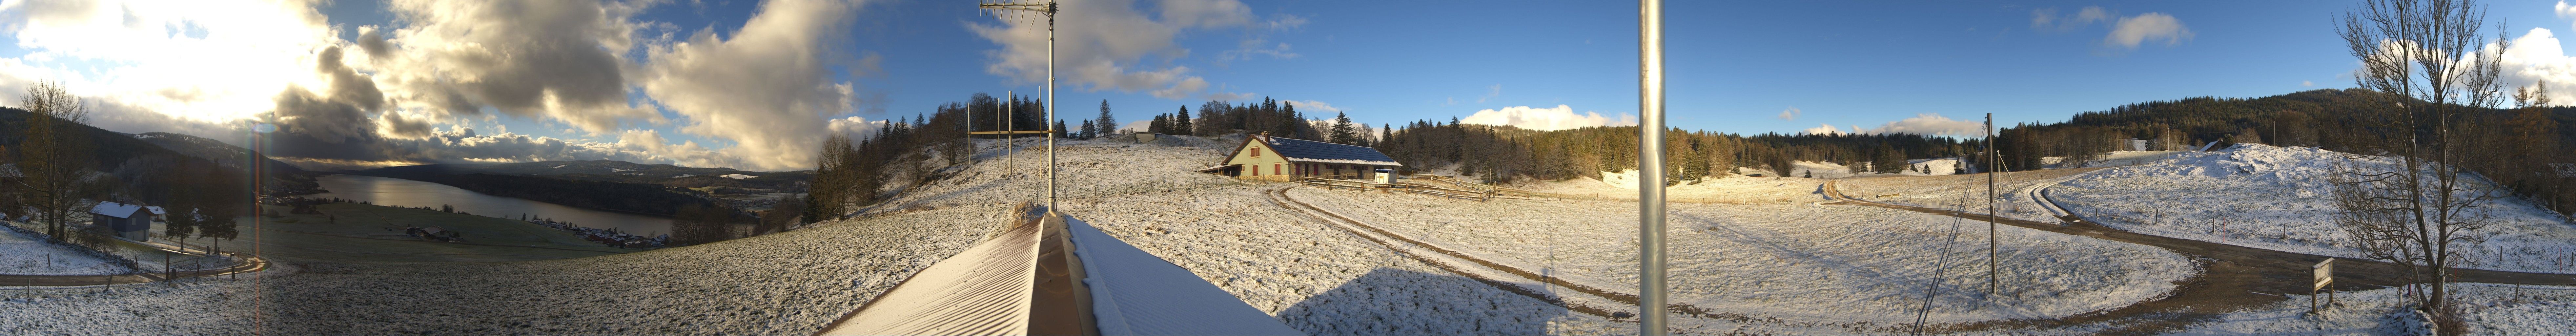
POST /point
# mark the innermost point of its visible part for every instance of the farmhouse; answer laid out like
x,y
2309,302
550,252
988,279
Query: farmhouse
x,y
1269,158
126,221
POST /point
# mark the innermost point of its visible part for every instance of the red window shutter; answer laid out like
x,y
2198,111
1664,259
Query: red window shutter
x,y
1256,170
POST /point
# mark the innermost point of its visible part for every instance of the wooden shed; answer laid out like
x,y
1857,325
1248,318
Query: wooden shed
x,y
126,221
1269,158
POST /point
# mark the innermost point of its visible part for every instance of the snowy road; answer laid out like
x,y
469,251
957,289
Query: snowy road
x,y
2231,272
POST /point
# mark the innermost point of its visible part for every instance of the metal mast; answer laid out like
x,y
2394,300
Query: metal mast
x,y
1991,278
1050,10
1650,166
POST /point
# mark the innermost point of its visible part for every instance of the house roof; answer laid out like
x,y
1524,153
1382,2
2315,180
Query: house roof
x,y
10,171
1325,152
114,209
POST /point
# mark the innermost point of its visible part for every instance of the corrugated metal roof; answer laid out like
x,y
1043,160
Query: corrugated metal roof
x,y
982,291
1326,152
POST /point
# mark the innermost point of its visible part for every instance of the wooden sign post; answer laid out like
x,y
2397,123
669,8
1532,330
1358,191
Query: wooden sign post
x,y
2324,277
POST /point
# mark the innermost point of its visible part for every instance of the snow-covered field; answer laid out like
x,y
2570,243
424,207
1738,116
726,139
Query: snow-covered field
x,y
27,255
1313,278
1756,246
1962,191
1809,266
2490,310
2278,198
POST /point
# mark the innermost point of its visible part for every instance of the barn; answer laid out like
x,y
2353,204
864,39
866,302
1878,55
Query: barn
x,y
1269,158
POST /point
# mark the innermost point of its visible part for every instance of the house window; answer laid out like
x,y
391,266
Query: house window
x,y
1256,152
1274,168
1256,170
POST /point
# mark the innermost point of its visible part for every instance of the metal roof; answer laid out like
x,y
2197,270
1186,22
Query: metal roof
x,y
1318,151
114,209
10,171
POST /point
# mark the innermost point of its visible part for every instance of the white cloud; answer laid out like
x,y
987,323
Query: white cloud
x,y
1924,124
1929,124
2538,58
2564,10
1495,91
763,89
1789,114
1110,45
2147,27
856,127
1136,126
1311,107
1823,129
552,60
2307,83
200,61
1545,119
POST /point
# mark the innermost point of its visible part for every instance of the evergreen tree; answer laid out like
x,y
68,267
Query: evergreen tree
x,y
1107,124
1342,131
1088,131
1059,128
1181,122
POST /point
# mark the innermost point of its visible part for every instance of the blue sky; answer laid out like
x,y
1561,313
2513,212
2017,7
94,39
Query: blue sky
x,y
700,85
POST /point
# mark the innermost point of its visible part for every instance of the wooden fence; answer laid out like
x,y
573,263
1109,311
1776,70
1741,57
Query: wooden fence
x,y
1445,187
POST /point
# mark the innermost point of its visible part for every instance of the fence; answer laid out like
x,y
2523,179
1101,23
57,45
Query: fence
x,y
129,263
1454,189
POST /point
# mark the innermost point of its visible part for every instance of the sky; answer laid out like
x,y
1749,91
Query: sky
x,y
756,85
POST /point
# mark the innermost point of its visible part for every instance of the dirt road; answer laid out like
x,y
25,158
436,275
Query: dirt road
x,y
2232,277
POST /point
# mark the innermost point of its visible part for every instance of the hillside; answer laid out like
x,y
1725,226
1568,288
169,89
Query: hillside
x,y
230,156
150,173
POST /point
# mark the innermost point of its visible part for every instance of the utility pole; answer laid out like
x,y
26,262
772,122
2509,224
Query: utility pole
x,y
1650,166
1050,10
1991,156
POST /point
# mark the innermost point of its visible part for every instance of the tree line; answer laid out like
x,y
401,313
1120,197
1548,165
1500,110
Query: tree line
x,y
2523,147
1506,153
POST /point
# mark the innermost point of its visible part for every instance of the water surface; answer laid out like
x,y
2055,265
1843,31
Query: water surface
x,y
389,191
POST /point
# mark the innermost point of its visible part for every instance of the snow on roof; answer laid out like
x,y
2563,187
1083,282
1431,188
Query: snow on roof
x,y
157,210
1325,152
984,290
10,170
736,176
1136,293
114,209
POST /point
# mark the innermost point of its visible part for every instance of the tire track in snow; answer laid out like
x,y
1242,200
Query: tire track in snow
x,y
1410,246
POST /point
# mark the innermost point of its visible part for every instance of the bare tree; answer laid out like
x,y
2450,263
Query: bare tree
x,y
2436,72
56,158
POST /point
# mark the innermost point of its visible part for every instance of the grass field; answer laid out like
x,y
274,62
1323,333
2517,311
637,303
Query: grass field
x,y
369,233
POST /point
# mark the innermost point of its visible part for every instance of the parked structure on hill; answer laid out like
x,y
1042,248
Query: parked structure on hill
x,y
126,221
1268,158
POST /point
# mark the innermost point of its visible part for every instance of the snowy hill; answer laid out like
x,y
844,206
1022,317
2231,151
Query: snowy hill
x,y
2278,198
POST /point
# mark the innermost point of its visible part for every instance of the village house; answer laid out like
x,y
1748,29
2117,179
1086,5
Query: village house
x,y
1269,158
126,221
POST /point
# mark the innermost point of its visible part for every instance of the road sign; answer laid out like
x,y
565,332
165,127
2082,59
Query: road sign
x,y
2324,275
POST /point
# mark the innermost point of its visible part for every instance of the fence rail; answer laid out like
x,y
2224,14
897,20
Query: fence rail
x,y
1487,194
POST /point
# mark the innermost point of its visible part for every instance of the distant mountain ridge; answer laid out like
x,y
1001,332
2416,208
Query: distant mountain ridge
x,y
551,168
228,155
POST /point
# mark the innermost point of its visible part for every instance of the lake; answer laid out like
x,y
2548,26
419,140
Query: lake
x,y
389,191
